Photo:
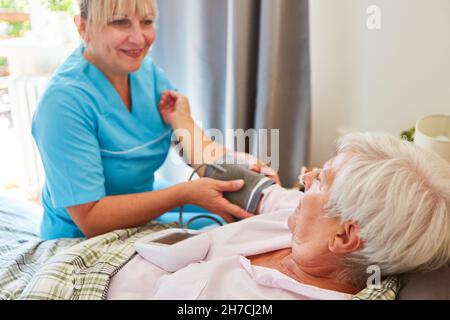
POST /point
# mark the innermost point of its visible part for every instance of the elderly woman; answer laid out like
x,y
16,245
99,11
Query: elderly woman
x,y
380,204
101,136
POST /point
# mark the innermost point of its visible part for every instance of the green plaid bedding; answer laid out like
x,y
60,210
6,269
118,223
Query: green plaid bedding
x,y
66,269
80,269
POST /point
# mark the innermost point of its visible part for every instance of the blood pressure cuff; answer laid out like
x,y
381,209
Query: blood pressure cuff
x,y
248,197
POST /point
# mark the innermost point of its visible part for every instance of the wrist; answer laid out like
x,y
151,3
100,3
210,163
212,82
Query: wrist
x,y
184,193
182,121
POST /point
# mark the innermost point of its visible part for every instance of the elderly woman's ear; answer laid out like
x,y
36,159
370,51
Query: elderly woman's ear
x,y
346,240
81,24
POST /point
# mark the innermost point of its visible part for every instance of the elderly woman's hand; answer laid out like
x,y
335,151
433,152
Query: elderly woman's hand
x,y
174,107
258,166
208,194
264,169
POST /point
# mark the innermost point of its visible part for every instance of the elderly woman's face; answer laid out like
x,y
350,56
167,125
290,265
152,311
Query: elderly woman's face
x,y
123,44
310,228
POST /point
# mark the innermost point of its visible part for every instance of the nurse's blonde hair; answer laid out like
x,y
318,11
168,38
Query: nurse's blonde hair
x,y
98,13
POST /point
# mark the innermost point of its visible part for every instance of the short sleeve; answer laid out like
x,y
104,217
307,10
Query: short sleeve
x,y
65,134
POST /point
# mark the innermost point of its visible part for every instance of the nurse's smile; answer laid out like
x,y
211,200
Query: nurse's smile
x,y
133,54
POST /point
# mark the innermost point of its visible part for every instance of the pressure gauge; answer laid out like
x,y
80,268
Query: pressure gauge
x,y
173,249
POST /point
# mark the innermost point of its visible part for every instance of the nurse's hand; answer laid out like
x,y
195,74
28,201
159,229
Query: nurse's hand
x,y
174,107
208,194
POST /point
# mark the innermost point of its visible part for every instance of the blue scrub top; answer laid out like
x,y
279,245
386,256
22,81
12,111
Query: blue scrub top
x,y
91,145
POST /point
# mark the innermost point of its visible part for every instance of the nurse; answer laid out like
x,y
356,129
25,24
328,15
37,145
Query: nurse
x,y
101,135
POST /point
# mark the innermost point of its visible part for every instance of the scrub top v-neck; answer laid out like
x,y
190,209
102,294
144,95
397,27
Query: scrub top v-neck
x,y
91,145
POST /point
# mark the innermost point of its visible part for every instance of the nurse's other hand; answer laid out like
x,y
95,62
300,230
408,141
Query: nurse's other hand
x,y
208,194
174,107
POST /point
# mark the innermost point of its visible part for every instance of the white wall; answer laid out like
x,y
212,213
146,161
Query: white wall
x,y
376,80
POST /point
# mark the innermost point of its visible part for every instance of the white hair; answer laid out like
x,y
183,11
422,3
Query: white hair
x,y
399,195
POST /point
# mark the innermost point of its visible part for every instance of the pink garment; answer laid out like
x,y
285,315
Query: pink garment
x,y
226,273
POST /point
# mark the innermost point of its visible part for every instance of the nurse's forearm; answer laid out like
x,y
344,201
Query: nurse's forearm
x,y
126,211
197,147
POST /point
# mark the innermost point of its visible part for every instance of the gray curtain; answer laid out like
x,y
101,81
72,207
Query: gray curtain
x,y
243,64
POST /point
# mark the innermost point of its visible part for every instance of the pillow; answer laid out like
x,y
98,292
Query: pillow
x,y
18,218
426,286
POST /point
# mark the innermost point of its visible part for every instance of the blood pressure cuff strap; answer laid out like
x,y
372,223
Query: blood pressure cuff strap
x,y
248,197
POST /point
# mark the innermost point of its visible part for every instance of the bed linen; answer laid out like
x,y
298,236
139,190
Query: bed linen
x,y
78,269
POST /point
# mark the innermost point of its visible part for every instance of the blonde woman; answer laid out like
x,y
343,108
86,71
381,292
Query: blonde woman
x,y
101,136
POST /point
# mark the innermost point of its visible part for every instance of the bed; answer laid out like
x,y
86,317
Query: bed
x,y
80,269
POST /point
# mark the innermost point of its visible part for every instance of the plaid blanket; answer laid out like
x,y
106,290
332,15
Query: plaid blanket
x,y
66,269
80,269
